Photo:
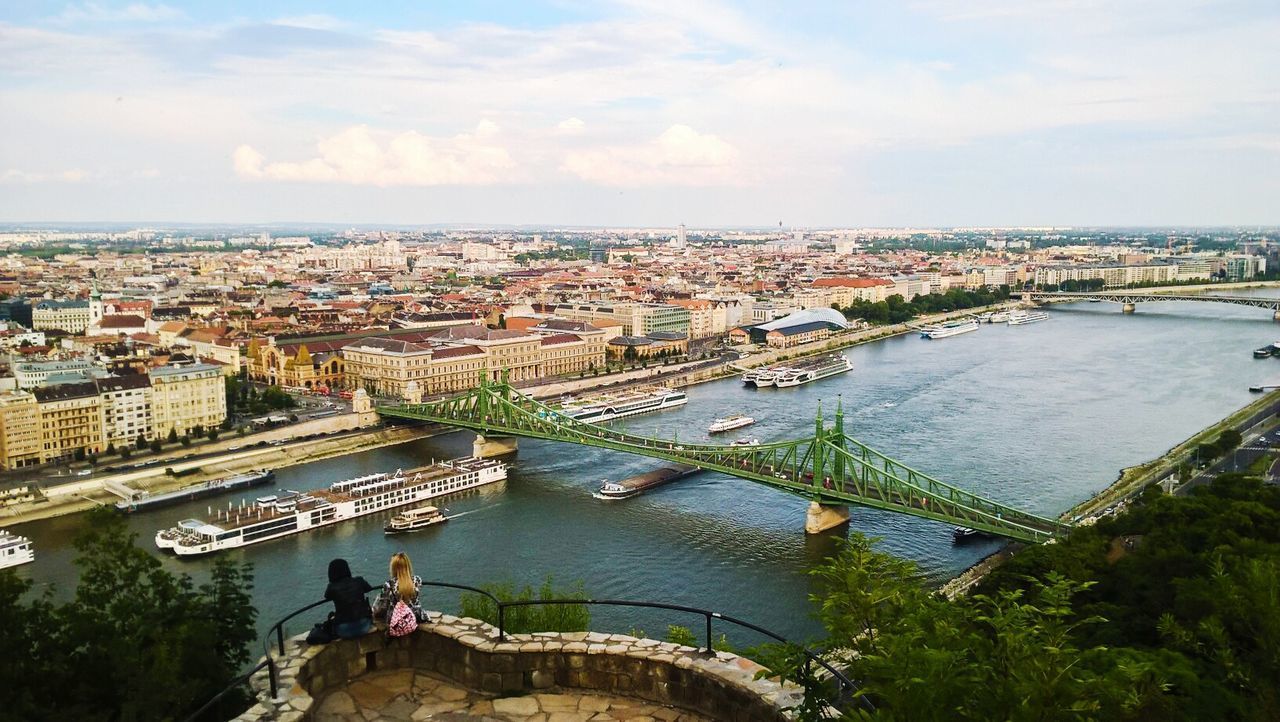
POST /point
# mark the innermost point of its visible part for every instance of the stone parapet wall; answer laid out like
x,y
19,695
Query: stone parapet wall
x,y
720,686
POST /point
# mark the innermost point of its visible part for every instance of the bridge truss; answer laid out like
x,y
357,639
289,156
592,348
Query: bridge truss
x,y
828,467
1134,297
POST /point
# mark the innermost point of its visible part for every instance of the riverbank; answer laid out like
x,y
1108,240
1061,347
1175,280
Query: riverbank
x,y
1132,480
156,480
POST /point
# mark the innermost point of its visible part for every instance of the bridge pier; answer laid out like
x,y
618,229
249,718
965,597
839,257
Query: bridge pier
x,y
1129,308
485,447
822,517
1275,316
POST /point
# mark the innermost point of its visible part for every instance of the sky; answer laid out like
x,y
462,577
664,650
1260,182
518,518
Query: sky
x,y
642,113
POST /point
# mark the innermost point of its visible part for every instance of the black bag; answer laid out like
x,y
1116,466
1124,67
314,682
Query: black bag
x,y
322,632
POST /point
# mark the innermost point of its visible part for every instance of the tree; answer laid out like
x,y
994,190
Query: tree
x,y
156,445
140,443
79,454
126,453
111,448
173,435
135,641
186,440
212,433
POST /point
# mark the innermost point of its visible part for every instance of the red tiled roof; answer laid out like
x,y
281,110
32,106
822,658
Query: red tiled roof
x,y
851,282
559,339
456,351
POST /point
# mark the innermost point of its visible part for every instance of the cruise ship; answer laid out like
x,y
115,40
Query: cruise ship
x,y
1021,318
609,406
1000,316
813,370
15,550
290,512
759,378
951,328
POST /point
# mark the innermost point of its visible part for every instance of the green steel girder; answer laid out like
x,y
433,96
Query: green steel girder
x,y
829,467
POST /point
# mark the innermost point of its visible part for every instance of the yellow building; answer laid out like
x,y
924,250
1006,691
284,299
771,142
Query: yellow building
x,y
514,352
293,365
20,438
186,396
70,420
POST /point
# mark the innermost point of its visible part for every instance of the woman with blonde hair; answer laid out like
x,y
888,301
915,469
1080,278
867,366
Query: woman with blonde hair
x,y
398,604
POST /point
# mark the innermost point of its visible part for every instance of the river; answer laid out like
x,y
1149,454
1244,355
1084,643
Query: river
x,y
1037,416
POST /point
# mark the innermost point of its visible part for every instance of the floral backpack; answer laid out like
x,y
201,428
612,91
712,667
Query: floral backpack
x,y
403,621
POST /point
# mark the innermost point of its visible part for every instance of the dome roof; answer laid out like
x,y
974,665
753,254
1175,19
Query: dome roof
x,y
808,315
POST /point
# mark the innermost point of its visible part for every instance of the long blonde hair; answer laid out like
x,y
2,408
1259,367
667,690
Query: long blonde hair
x,y
402,573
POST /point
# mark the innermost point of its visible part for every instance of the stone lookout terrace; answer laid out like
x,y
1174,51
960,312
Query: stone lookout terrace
x,y
458,669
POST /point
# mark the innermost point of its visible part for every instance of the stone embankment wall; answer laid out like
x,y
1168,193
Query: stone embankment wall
x,y
721,686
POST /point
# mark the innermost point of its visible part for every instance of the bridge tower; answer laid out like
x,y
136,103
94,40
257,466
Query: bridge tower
x,y
821,517
487,446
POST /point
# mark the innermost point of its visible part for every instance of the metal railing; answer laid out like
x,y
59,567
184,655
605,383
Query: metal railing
x,y
846,688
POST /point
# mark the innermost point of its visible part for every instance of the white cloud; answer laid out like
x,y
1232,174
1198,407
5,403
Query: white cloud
x,y
571,126
360,156
314,21
134,12
71,175
680,156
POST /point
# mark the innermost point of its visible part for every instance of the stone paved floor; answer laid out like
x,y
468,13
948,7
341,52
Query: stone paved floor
x,y
406,694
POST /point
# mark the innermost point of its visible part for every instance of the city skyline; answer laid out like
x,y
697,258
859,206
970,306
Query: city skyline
x,y
631,114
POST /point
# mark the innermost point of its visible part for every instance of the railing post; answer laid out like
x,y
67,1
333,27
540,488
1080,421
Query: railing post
x,y
271,677
280,638
501,620
709,650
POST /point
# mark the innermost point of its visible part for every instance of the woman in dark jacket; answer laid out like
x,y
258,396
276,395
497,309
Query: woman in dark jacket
x,y
352,616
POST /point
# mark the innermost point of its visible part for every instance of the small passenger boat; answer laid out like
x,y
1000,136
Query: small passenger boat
x,y
414,519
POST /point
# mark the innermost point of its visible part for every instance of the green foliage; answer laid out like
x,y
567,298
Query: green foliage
x,y
1013,654
173,436
896,310
534,617
276,399
135,643
682,636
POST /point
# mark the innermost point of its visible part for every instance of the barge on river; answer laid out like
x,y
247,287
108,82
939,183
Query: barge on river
x,y
144,501
640,483
290,512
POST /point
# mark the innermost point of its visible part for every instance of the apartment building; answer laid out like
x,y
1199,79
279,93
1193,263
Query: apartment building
x,y
843,291
20,437
37,373
126,409
186,396
636,319
70,420
70,316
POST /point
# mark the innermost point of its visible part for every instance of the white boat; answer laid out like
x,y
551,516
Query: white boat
x,y
765,378
1000,316
272,517
1022,318
745,442
15,550
814,370
610,406
985,317
414,519
953,328
168,538
733,421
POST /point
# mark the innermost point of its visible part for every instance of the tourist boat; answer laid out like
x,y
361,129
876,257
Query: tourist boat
x,y
414,519
290,512
815,370
635,485
952,328
1022,318
963,534
1000,316
144,501
1264,352
15,550
985,317
745,442
609,406
734,421
759,379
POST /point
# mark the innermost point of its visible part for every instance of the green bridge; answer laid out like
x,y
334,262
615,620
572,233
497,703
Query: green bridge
x,y
829,468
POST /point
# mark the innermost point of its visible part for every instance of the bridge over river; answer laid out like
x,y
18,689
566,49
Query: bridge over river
x,y
1129,300
830,468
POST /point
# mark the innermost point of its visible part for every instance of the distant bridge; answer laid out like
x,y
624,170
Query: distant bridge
x,y
829,468
1130,299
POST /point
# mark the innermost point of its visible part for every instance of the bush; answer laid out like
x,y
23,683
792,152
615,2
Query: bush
x,y
125,453
186,441
533,618
173,436
156,445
